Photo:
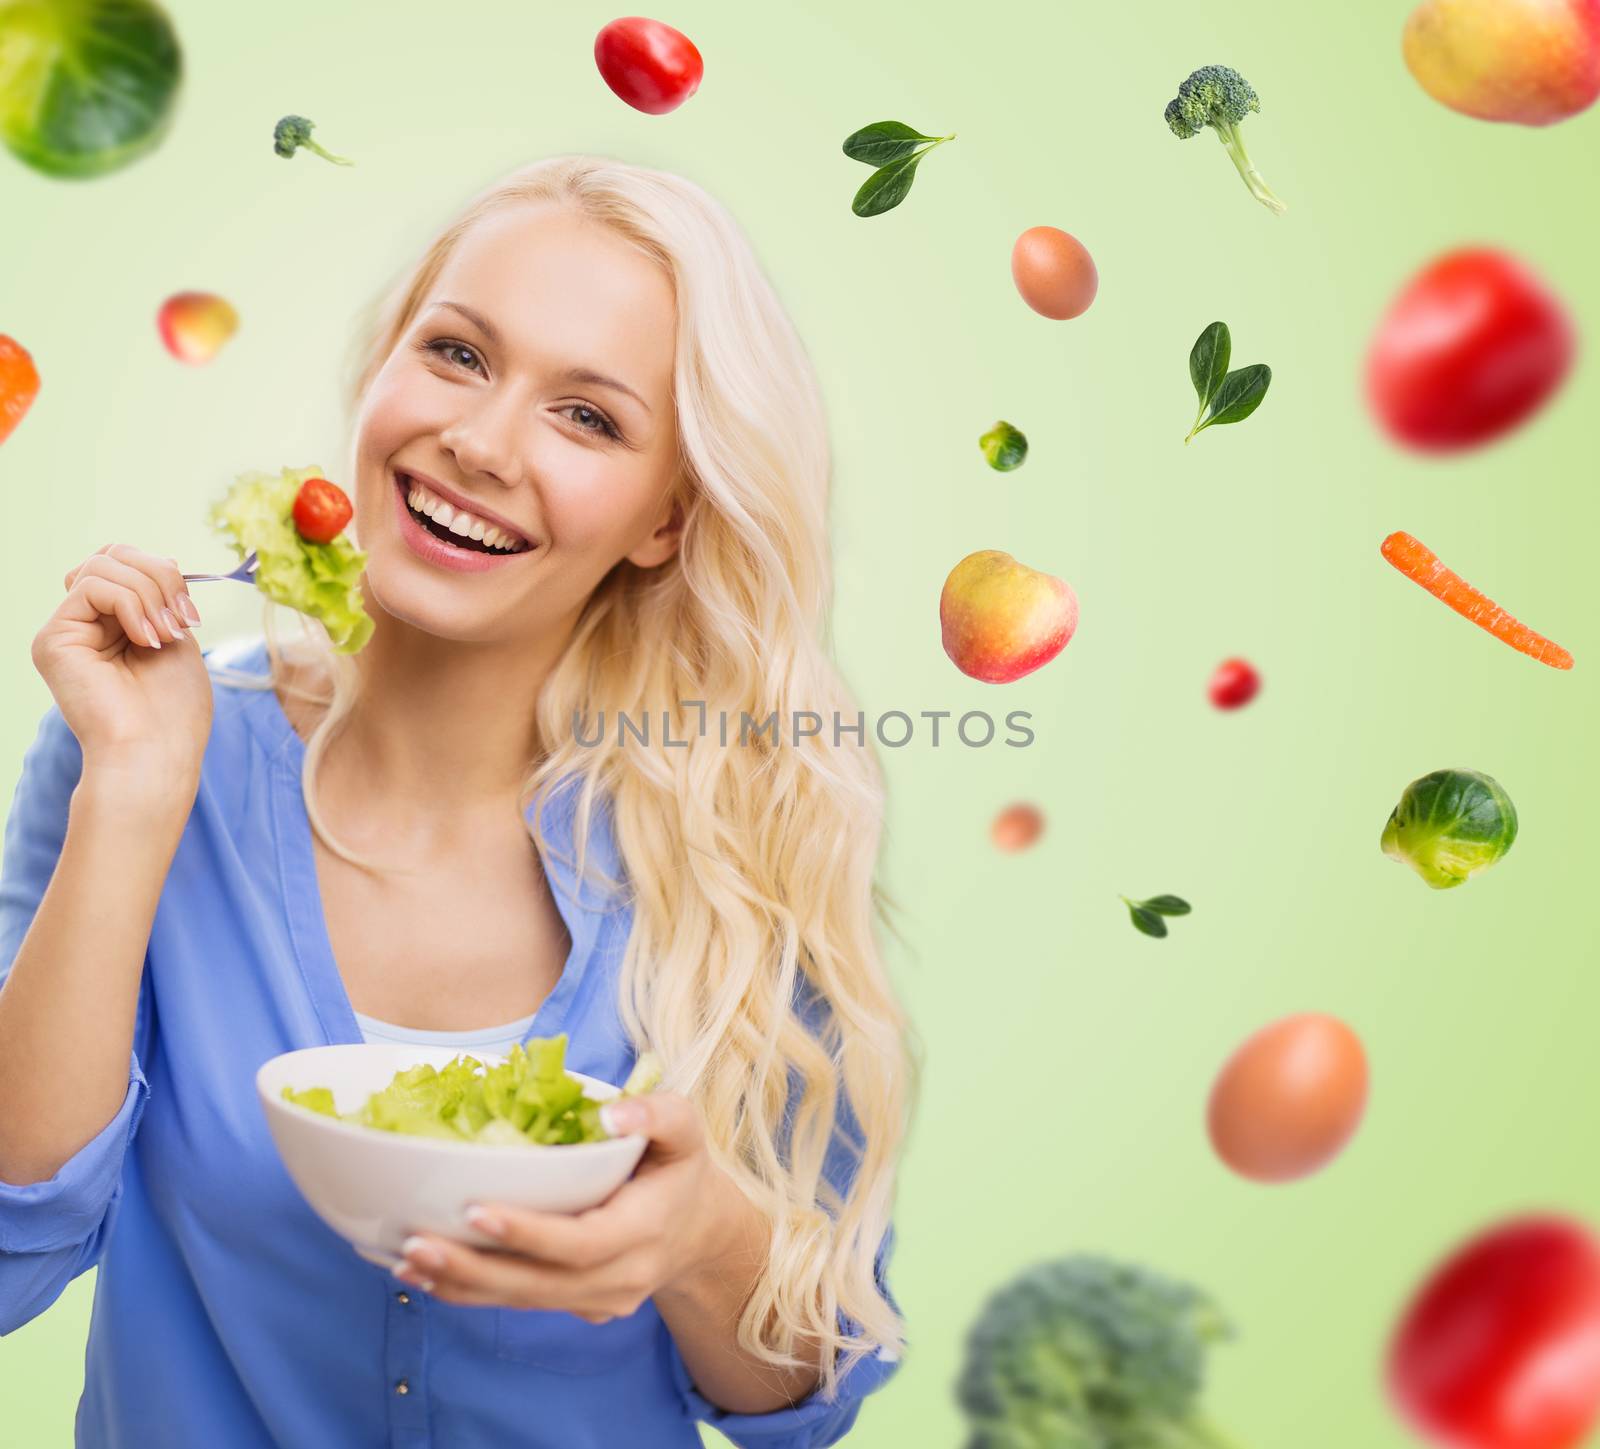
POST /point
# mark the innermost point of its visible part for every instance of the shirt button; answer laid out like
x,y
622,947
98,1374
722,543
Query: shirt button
x,y
402,1387
402,1297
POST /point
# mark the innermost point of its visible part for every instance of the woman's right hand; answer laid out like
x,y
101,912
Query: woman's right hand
x,y
131,704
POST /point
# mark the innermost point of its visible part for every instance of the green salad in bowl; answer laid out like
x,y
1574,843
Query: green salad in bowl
x,y
527,1098
294,520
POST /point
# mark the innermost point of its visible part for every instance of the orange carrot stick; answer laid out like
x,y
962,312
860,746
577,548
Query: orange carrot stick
x,y
1421,565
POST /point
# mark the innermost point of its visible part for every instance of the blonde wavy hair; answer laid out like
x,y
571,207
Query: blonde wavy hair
x,y
751,868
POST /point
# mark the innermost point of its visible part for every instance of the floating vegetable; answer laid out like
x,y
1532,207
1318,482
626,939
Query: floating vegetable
x,y
1500,1347
319,578
1147,914
1450,825
894,149
1054,273
529,1098
86,86
648,64
1219,97
293,132
1004,447
1088,1353
19,384
1225,397
1422,566
1289,1099
194,325
1017,827
1473,346
1234,683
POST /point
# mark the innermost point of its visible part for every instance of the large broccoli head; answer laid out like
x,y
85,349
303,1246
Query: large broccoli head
x,y
1214,95
1087,1353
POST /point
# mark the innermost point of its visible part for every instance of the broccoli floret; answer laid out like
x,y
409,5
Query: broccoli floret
x,y
1087,1353
1221,98
295,131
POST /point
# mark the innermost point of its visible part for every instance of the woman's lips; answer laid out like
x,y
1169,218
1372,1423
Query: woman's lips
x,y
436,550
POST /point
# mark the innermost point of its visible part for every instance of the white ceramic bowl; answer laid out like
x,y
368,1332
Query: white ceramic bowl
x,y
376,1188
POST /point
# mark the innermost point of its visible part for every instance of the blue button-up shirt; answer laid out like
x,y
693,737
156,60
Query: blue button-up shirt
x,y
225,1311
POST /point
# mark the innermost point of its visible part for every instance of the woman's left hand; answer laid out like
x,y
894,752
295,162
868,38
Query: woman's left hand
x,y
663,1227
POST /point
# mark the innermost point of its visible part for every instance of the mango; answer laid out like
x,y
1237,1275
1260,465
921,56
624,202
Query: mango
x,y
1000,619
1534,62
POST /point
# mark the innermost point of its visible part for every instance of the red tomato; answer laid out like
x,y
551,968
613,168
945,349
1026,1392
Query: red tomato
x,y
321,510
1500,1349
653,67
1472,346
1235,682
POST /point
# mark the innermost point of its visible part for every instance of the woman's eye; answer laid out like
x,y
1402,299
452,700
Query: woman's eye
x,y
456,353
591,420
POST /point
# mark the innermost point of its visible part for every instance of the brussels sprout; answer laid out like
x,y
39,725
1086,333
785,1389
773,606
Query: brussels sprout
x,y
1449,825
86,86
1004,447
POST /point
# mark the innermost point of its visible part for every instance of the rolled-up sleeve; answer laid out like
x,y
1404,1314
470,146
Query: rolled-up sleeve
x,y
811,1423
51,1231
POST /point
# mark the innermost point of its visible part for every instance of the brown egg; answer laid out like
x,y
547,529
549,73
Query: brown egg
x,y
1289,1098
1017,827
1054,272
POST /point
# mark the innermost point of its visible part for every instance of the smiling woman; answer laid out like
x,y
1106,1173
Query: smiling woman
x,y
590,472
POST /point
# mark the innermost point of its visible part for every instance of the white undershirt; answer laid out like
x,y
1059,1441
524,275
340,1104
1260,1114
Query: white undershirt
x,y
491,1040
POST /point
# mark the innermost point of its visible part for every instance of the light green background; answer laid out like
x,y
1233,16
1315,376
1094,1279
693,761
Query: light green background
x,y
1069,1057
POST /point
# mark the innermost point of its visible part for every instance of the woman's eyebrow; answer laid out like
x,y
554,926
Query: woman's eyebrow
x,y
573,374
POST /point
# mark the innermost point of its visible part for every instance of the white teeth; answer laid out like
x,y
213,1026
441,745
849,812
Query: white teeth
x,y
459,522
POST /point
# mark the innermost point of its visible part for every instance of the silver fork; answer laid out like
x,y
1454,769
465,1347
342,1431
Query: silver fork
x,y
245,573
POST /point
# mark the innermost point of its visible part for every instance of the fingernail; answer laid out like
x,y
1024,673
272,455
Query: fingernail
x,y
151,637
485,1221
621,1118
187,609
173,623
422,1252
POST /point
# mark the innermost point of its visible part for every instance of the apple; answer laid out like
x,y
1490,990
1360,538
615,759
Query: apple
x,y
1000,620
1534,62
194,325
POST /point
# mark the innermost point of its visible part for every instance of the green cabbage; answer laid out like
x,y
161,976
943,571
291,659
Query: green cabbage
x,y
86,86
1450,825
319,579
529,1097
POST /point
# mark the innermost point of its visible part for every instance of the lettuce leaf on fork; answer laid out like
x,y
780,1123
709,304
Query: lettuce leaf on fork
x,y
322,580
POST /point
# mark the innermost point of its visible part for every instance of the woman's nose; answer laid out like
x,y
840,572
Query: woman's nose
x,y
486,442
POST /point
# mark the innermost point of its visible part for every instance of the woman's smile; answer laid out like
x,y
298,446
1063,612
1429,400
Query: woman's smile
x,y
451,537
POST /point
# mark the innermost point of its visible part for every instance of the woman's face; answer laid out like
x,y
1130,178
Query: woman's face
x,y
534,386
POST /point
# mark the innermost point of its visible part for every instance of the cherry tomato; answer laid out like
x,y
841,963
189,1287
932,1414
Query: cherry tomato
x,y
321,510
1234,683
1473,346
1500,1348
651,66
